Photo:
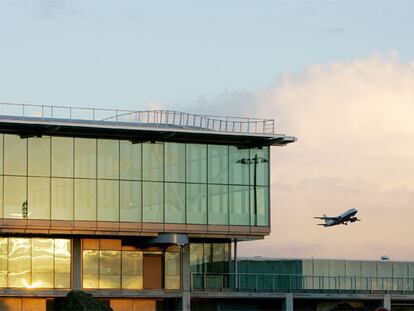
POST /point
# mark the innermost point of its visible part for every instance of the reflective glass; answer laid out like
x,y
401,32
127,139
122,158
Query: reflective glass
x,y
130,163
196,158
196,257
108,200
62,156
172,270
85,199
1,153
218,204
1,197
15,155
15,201
62,263
153,162
19,262
153,199
132,265
196,204
239,205
174,203
130,201
218,164
262,207
108,158
3,262
174,162
62,199
90,269
239,162
110,269
85,158
42,263
39,198
39,156
260,164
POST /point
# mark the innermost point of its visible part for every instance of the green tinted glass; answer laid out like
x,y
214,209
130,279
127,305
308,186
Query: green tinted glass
x,y
108,158
196,204
62,199
130,163
153,163
85,199
175,203
239,162
39,156
130,201
15,155
62,156
174,162
85,158
153,202
108,200
261,205
218,160
259,166
239,205
196,158
218,204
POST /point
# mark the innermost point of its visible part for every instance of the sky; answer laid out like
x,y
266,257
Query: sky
x,y
338,75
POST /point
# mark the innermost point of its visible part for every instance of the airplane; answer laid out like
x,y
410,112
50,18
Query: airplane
x,y
344,218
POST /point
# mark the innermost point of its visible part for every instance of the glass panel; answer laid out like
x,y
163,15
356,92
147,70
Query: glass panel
x,y
260,163
15,155
19,262
262,207
130,201
239,205
3,262
108,158
218,164
39,156
196,204
62,263
1,197
110,269
85,158
15,202
130,164
174,162
172,270
196,257
153,161
196,158
1,153
90,272
39,198
85,199
42,263
153,196
62,156
108,200
174,203
218,204
239,161
132,264
62,199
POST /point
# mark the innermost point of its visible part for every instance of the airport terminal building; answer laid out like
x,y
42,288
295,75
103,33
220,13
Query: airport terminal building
x,y
144,209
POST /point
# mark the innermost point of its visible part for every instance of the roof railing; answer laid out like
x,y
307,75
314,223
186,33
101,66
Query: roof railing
x,y
149,118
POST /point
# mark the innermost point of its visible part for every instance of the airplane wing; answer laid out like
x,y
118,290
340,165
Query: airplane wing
x,y
327,218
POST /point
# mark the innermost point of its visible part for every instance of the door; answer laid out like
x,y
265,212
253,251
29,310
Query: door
x,y
153,271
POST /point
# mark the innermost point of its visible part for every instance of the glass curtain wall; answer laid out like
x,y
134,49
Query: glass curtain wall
x,y
64,178
35,262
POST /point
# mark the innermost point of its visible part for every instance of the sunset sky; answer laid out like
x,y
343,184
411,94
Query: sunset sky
x,y
339,75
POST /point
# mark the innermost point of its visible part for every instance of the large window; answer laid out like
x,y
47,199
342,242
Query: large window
x,y
34,263
66,178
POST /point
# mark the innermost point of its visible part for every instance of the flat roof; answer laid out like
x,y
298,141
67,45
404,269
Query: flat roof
x,y
138,126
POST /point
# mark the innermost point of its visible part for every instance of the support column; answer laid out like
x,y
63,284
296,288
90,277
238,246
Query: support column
x,y
186,279
287,304
76,260
387,301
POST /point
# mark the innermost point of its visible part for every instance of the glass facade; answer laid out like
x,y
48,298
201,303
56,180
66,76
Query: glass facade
x,y
35,262
63,178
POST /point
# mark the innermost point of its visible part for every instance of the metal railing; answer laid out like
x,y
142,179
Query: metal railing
x,y
262,282
150,118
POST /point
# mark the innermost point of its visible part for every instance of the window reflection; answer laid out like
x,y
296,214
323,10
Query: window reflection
x,y
15,200
153,167
130,201
108,200
153,202
130,160
196,159
39,156
172,270
196,204
62,156
174,162
132,264
85,158
15,155
108,158
174,203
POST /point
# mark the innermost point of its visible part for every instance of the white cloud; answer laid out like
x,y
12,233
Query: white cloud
x,y
354,121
